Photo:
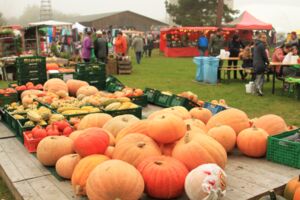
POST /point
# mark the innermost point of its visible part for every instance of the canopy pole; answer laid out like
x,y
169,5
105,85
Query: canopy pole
x,y
37,41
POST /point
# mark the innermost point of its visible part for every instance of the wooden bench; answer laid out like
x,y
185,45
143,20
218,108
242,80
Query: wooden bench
x,y
229,69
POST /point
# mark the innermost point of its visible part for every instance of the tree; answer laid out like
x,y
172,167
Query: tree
x,y
197,12
2,20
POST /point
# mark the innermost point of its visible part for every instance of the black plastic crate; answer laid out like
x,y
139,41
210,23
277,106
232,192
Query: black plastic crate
x,y
140,100
163,100
151,94
181,101
133,111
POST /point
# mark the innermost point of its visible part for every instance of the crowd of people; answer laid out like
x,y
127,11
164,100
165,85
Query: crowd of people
x,y
254,55
104,44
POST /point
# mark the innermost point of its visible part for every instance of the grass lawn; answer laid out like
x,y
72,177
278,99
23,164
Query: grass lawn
x,y
4,192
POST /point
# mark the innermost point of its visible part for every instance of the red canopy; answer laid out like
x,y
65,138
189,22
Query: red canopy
x,y
246,21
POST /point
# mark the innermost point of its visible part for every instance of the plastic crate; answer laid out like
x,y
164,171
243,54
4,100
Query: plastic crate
x,y
64,76
30,143
151,94
113,84
24,64
140,100
163,100
8,98
32,73
213,108
90,68
284,151
181,101
35,80
133,111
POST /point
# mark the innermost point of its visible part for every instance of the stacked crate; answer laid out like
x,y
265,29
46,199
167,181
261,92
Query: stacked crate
x,y
31,69
93,73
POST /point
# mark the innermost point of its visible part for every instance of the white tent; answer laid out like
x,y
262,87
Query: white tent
x,y
79,27
50,23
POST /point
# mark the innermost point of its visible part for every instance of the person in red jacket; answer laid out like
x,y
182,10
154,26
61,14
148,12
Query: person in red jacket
x,y
120,44
278,56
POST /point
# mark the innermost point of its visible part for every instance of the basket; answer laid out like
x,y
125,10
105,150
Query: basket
x,y
140,100
213,108
151,94
284,151
133,111
30,143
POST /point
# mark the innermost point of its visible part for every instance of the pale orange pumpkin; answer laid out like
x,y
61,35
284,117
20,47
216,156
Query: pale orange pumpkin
x,y
291,187
272,124
74,85
115,179
94,120
253,142
297,194
86,90
52,148
200,113
137,127
75,134
28,100
197,123
66,164
56,86
109,151
166,128
179,111
82,171
116,124
225,135
31,92
196,149
235,118
134,148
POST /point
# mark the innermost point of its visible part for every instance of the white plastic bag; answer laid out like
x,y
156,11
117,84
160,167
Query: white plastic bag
x,y
287,59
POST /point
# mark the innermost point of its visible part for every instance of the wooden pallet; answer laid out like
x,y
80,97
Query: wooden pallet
x,y
125,68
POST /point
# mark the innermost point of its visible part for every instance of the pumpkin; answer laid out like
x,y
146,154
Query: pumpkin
x,y
74,85
197,123
31,92
297,194
52,66
86,90
75,134
166,149
57,86
109,151
166,128
137,127
272,124
207,181
94,120
164,176
291,188
134,148
28,99
82,171
225,135
115,179
91,141
200,113
179,111
66,164
253,142
235,118
197,149
52,148
116,124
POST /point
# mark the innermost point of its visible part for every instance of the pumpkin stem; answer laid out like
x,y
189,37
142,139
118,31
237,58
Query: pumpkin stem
x,y
141,144
188,127
254,127
187,138
158,162
78,190
299,178
124,119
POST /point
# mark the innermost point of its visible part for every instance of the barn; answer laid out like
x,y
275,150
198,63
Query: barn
x,y
122,19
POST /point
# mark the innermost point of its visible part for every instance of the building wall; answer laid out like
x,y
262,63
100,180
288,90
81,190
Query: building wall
x,y
128,19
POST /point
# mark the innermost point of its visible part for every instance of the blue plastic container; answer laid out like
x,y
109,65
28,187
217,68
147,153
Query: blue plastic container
x,y
200,68
210,67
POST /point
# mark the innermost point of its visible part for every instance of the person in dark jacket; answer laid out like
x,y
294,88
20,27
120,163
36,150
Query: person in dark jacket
x,y
234,48
101,47
260,62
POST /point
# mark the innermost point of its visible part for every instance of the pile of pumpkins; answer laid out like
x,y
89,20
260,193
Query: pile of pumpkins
x,y
172,151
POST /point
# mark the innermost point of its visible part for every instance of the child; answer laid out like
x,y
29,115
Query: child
x,y
246,56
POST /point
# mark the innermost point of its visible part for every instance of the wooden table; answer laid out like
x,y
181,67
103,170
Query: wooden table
x,y
28,179
274,65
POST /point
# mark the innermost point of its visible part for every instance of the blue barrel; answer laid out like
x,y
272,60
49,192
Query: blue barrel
x,y
211,66
199,67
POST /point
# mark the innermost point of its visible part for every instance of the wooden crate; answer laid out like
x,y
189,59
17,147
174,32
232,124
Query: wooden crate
x,y
124,67
111,67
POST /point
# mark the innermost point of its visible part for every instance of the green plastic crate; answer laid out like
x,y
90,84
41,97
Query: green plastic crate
x,y
90,68
284,151
133,111
181,101
151,94
24,64
36,80
163,100
140,100
64,76
113,84
8,98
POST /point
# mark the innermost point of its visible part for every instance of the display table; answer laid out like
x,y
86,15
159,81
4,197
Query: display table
x,y
182,52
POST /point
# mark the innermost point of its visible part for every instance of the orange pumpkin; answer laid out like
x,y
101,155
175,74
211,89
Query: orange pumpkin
x,y
109,151
297,194
291,187
86,91
134,148
115,179
197,123
94,120
166,149
116,124
66,164
179,111
272,124
75,134
52,66
82,171
57,86
137,127
253,142
31,92
235,118
200,113
225,135
166,128
74,85
197,149
52,148
164,176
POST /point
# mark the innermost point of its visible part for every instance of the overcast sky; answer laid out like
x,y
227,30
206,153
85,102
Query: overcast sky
x,y
283,14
